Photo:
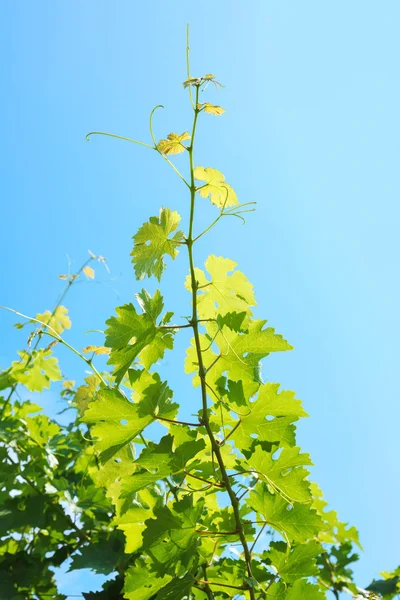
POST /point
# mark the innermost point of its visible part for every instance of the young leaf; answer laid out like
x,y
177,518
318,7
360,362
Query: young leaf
x,y
131,334
239,354
96,350
89,272
284,474
211,109
117,421
36,370
299,563
142,584
58,321
220,193
298,523
153,241
227,290
173,143
258,418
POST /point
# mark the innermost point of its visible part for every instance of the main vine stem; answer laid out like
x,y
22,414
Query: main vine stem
x,y
202,371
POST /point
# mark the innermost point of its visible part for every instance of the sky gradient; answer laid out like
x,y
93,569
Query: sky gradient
x,y
311,133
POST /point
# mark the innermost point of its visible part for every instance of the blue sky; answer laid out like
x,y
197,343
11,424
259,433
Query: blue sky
x,y
311,133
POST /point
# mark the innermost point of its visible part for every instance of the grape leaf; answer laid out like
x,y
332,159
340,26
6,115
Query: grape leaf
x,y
239,354
58,320
299,522
301,590
211,109
300,562
141,584
285,474
131,334
158,461
220,193
227,290
116,421
173,143
258,421
36,370
89,272
102,556
153,241
170,538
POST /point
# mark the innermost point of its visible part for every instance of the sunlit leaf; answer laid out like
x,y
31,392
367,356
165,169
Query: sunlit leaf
x,y
220,193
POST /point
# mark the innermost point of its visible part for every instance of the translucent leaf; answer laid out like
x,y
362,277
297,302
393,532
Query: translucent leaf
x,y
116,421
153,241
36,370
220,193
131,334
256,418
89,272
211,109
225,290
299,563
301,590
173,143
286,474
239,354
96,349
298,522
141,584
59,321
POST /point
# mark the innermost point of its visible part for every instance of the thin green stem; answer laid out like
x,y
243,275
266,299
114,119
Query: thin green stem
x,y
56,336
202,371
155,147
119,137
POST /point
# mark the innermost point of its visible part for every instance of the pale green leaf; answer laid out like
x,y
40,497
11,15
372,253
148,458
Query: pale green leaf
x,y
226,290
36,370
153,241
173,143
285,474
220,193
131,335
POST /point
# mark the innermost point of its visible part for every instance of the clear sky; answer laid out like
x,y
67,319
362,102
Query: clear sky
x,y
311,133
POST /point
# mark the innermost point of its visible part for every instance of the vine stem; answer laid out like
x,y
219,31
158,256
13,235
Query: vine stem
x,y
202,371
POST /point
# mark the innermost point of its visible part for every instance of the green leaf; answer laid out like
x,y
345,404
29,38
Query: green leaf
x,y
58,321
171,538
177,589
158,461
298,523
153,241
258,421
36,370
131,334
173,143
239,354
85,393
210,109
301,590
101,557
117,421
220,193
142,584
284,474
300,562
225,291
